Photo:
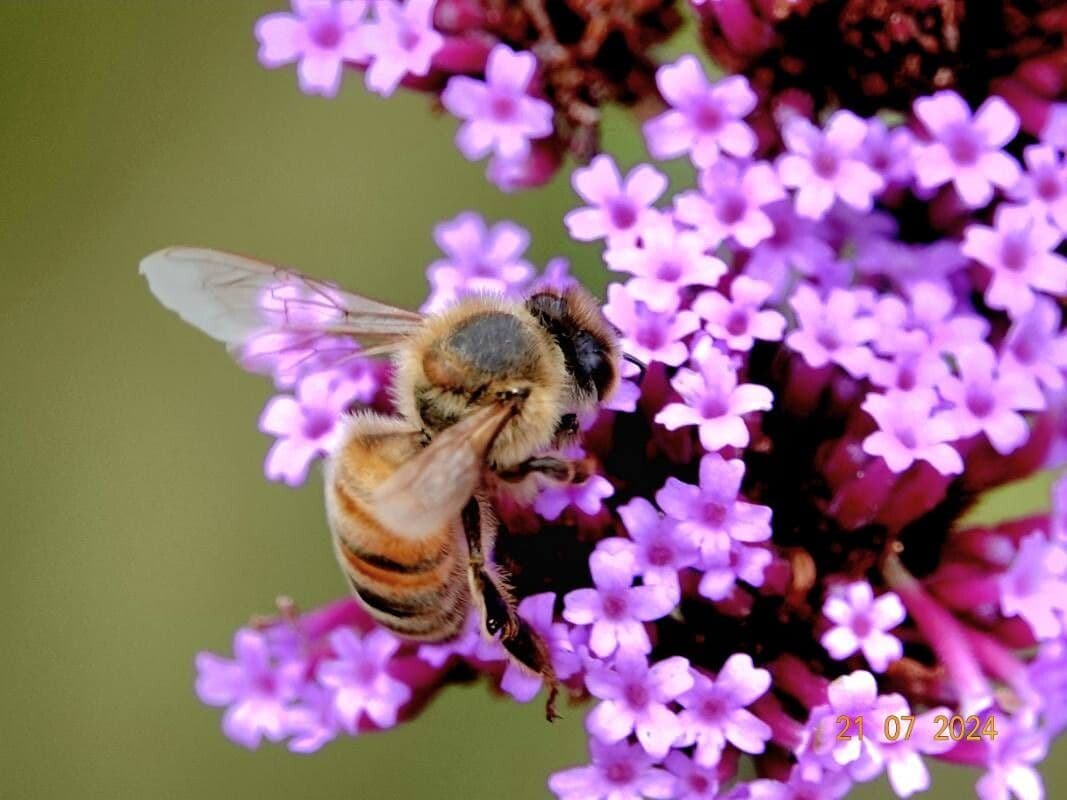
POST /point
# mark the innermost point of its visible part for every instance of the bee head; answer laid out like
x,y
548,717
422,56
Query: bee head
x,y
588,342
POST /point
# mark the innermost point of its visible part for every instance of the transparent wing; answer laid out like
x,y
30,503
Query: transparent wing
x,y
271,314
430,490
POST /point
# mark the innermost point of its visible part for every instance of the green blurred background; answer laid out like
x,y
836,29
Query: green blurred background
x,y
139,526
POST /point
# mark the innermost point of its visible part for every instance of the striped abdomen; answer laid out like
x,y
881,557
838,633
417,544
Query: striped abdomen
x,y
423,597
415,585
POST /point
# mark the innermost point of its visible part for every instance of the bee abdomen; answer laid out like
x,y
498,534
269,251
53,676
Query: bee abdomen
x,y
435,622
423,598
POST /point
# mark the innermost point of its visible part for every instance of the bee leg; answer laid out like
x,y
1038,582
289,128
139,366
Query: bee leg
x,y
518,638
499,615
558,469
529,649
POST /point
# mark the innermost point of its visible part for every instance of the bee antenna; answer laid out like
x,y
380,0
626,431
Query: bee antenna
x,y
641,365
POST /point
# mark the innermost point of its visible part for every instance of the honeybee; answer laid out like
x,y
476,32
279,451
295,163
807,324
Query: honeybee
x,y
482,391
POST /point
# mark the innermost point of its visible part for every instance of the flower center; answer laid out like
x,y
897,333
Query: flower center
x,y
659,554
825,162
828,338
482,269
668,271
502,108
699,783
713,407
325,32
907,437
637,695
1025,350
622,213
861,626
708,117
714,514
366,672
731,208
619,772
650,337
614,606
1014,252
1048,188
962,146
737,323
712,708
317,424
980,401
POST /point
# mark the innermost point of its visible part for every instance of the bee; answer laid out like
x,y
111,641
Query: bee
x,y
482,390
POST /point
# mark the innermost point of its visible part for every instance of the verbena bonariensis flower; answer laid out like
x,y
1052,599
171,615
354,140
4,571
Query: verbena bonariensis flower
x,y
775,536
868,56
527,79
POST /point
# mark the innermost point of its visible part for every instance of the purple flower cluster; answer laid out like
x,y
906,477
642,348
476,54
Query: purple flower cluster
x,y
845,346
522,110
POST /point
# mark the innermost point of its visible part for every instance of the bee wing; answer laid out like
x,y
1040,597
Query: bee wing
x,y
238,300
430,490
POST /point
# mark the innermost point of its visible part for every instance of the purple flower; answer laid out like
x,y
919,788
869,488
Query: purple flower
x,y
360,680
501,117
854,696
402,42
714,401
824,165
910,431
966,150
694,782
1035,586
986,401
321,35
903,755
1043,187
888,151
836,330
587,496
1035,348
730,203
311,722
649,335
667,261
634,700
1018,746
907,264
725,561
739,320
477,259
619,771
1018,251
793,247
306,426
714,710
715,507
618,209
659,547
705,118
863,623
256,690
615,608
932,309
914,363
